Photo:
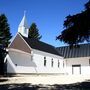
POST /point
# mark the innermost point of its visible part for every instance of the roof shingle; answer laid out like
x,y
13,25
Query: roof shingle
x,y
39,45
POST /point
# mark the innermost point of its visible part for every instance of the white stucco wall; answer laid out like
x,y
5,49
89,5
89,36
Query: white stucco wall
x,y
38,58
21,62
83,61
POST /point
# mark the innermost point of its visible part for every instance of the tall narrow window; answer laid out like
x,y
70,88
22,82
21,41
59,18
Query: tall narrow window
x,y
58,64
31,57
63,64
52,63
89,62
44,61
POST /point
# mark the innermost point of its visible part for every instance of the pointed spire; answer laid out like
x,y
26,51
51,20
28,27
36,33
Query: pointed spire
x,y
24,21
23,26
24,12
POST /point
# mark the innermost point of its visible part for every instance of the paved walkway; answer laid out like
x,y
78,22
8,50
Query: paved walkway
x,y
46,79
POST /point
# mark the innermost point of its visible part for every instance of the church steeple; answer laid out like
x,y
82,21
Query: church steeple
x,y
23,26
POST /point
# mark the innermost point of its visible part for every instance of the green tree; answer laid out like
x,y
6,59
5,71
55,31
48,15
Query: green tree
x,y
76,28
34,32
4,31
5,37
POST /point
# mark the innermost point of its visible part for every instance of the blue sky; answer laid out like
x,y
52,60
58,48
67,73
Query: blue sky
x,y
49,15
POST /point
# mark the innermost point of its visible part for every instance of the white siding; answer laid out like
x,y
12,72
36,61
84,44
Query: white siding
x,y
21,62
39,60
83,61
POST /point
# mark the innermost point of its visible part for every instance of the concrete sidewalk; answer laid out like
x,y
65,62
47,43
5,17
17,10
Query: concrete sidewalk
x,y
46,79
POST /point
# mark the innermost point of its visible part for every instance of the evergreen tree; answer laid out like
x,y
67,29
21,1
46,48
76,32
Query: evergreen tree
x,y
34,32
5,37
76,27
4,31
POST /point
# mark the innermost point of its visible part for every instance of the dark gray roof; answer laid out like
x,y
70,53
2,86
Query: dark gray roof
x,y
82,51
39,45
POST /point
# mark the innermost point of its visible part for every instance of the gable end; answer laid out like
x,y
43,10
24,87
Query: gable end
x,y
19,43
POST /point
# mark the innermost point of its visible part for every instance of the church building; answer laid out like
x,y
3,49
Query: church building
x,y
31,56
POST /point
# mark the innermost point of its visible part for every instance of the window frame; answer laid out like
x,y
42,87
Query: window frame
x,y
52,62
58,64
89,62
45,62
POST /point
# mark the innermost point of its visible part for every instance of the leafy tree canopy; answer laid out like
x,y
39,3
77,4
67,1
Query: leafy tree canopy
x,y
34,32
76,28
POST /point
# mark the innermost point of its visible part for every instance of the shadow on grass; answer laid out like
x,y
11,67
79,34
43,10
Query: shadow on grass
x,y
28,86
23,86
76,86
3,79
